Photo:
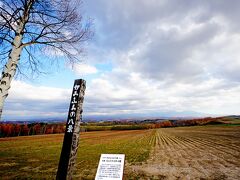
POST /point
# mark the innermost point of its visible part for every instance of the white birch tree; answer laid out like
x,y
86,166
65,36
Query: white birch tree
x,y
29,26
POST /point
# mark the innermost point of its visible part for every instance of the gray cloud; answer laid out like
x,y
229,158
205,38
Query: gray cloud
x,y
166,56
164,35
188,49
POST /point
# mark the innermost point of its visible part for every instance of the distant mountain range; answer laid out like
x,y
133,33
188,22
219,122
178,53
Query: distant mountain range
x,y
140,116
112,118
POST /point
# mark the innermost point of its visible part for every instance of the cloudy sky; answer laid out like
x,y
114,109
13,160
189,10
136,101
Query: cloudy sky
x,y
147,58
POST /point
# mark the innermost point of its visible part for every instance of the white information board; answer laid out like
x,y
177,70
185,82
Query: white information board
x,y
110,167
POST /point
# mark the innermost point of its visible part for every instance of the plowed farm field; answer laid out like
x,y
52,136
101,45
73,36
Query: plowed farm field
x,y
193,153
206,152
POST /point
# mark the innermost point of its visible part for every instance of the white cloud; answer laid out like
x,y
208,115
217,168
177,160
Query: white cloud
x,y
23,91
132,95
138,95
84,69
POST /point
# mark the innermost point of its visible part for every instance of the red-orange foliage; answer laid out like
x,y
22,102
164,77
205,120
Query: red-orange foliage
x,y
164,124
25,130
58,129
7,130
37,129
17,129
49,129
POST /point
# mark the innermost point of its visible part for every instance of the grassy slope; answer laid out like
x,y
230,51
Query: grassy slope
x,y
36,157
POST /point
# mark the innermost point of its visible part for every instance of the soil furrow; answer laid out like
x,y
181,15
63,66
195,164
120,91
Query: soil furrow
x,y
192,153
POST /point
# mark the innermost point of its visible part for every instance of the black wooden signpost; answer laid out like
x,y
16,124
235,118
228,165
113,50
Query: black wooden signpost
x,y
72,132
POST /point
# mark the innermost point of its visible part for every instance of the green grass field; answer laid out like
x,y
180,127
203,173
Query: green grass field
x,y
36,157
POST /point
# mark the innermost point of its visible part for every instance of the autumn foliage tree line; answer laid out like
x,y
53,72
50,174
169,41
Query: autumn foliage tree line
x,y
10,130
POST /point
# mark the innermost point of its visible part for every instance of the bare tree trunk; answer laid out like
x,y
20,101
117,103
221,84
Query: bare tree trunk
x,y
14,56
10,70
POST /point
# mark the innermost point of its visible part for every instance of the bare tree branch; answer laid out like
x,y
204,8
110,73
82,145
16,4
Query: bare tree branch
x,y
49,23
27,27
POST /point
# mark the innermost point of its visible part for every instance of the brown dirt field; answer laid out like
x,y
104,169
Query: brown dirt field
x,y
192,153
